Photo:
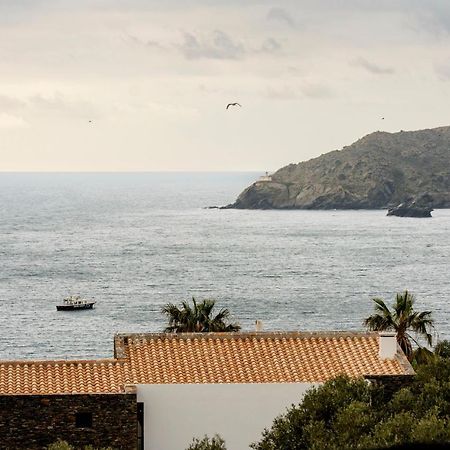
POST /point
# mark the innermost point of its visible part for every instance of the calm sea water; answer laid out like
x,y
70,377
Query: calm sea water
x,y
136,241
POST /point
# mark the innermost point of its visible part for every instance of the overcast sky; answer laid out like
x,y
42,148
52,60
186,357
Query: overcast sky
x,y
142,85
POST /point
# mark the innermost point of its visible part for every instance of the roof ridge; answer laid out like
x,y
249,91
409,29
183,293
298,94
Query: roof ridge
x,y
245,334
53,362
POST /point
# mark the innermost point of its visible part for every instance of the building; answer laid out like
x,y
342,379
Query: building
x,y
264,178
161,390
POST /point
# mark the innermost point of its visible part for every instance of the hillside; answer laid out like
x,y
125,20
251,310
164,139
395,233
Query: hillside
x,y
377,171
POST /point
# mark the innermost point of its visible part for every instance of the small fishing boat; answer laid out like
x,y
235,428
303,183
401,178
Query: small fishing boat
x,y
75,303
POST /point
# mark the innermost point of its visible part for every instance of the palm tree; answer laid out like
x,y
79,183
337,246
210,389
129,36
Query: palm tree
x,y
401,319
197,318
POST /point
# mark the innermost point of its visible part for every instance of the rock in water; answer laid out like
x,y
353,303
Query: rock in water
x,y
413,207
405,210
378,171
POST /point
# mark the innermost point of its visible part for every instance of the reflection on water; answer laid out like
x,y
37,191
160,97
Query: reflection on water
x,y
136,241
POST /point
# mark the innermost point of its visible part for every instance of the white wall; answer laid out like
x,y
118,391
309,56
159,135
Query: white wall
x,y
175,413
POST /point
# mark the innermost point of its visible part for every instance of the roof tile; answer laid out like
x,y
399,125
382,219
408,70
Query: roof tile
x,y
284,357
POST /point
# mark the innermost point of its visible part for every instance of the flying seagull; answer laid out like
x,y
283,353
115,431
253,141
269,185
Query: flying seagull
x,y
233,104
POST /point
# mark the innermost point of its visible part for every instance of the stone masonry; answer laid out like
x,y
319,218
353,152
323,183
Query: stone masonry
x,y
33,422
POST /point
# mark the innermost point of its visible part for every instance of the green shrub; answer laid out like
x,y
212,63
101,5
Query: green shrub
x,y
442,349
60,445
214,443
346,414
63,445
335,412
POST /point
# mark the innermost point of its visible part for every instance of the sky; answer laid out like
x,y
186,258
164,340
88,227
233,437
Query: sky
x,y
142,85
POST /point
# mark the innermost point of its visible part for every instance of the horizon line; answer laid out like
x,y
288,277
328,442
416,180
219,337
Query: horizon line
x,y
123,171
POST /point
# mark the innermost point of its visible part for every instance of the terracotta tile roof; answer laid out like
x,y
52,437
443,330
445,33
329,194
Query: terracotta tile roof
x,y
61,377
283,357
255,357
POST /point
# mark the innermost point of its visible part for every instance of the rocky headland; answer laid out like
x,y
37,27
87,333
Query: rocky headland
x,y
381,170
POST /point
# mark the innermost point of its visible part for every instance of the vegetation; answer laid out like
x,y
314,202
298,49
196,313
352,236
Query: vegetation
x,y
214,443
350,414
63,445
60,445
197,318
402,320
442,349
324,414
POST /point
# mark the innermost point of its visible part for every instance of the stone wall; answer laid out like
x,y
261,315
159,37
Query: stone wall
x,y
35,421
390,384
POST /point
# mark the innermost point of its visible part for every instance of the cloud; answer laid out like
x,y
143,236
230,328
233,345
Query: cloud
x,y
142,42
271,45
432,17
285,92
280,15
10,104
443,71
60,105
217,45
315,91
372,67
11,121
53,105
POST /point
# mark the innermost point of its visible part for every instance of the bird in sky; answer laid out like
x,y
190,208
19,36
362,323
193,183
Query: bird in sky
x,y
233,104
382,118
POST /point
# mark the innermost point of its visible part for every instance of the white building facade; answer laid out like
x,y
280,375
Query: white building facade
x,y
174,414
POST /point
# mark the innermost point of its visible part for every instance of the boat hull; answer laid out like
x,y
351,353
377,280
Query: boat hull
x,y
75,307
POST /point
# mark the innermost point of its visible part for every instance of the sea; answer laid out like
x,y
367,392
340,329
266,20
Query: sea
x,y
135,241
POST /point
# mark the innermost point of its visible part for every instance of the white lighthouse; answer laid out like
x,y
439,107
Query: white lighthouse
x,y
264,178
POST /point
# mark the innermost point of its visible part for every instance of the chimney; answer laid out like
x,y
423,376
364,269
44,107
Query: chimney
x,y
120,342
258,325
388,345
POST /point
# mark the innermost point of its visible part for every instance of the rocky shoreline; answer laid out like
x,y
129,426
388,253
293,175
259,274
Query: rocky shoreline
x,y
379,171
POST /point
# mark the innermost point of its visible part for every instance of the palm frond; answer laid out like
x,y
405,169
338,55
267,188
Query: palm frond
x,y
382,320
401,319
381,307
197,317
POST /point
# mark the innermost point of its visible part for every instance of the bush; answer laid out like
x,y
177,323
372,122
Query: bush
x,y
429,392
346,414
60,445
63,445
336,412
442,349
214,443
